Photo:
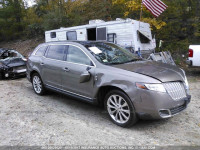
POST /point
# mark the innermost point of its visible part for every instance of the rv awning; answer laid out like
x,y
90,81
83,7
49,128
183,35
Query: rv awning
x,y
144,34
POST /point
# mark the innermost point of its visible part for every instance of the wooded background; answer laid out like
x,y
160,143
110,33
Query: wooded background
x,y
178,26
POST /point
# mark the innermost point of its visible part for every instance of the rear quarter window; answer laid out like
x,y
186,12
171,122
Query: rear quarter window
x,y
41,51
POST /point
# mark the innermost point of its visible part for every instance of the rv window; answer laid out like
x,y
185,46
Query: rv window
x,y
71,35
111,37
101,34
53,35
56,52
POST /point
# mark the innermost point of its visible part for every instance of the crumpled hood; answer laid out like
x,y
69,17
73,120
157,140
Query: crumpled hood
x,y
160,71
13,62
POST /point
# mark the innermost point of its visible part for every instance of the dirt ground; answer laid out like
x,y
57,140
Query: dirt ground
x,y
54,119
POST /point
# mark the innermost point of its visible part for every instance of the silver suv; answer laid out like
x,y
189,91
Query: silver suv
x,y
106,74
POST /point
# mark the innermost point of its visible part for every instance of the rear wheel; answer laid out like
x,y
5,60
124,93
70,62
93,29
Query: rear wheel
x,y
120,108
37,84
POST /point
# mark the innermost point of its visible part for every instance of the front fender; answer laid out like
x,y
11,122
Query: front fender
x,y
122,79
30,69
104,80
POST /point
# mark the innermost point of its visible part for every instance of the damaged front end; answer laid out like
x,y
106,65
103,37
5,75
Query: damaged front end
x,y
12,64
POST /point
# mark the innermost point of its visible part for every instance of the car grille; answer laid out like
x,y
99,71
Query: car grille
x,y
175,89
19,67
177,109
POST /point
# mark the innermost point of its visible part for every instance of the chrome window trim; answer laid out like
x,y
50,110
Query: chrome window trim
x,y
67,61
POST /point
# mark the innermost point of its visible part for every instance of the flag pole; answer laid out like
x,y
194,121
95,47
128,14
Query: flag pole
x,y
140,14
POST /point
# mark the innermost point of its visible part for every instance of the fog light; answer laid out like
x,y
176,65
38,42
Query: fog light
x,y
165,113
6,75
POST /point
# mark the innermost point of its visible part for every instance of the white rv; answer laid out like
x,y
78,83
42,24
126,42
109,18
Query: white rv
x,y
127,33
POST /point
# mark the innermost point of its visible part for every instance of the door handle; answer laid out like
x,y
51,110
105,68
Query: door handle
x,y
66,69
42,64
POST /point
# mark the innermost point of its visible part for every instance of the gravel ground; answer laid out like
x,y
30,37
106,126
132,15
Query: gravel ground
x,y
54,119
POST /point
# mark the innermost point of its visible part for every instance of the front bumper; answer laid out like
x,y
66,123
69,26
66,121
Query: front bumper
x,y
13,74
166,113
156,105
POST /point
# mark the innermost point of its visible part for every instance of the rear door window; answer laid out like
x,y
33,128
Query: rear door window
x,y
57,52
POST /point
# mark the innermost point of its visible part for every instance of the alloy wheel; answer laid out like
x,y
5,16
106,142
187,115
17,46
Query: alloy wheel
x,y
37,84
118,109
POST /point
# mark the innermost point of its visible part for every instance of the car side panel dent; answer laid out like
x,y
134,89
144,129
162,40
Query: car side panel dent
x,y
32,68
114,81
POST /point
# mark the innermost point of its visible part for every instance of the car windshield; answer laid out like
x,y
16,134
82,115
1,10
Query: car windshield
x,y
108,53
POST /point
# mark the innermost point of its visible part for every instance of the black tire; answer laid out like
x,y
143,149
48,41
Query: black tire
x,y
38,92
132,117
1,76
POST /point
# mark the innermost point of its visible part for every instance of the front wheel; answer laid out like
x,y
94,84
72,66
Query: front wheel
x,y
37,84
120,108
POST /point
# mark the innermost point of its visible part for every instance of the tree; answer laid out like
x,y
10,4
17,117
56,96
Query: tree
x,y
11,14
182,25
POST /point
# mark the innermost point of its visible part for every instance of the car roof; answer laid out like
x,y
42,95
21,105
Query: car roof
x,y
80,42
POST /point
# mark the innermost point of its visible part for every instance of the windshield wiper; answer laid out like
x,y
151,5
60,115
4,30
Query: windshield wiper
x,y
114,63
117,63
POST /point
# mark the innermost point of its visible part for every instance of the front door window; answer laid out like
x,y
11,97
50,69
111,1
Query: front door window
x,y
76,55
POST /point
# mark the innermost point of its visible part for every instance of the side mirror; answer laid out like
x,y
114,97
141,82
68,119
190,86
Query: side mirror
x,y
85,77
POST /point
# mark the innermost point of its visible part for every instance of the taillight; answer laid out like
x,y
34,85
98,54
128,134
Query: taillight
x,y
190,52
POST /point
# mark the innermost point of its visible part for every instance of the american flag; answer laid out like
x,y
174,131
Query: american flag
x,y
156,7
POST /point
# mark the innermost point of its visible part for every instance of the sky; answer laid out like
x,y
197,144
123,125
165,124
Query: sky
x,y
30,2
